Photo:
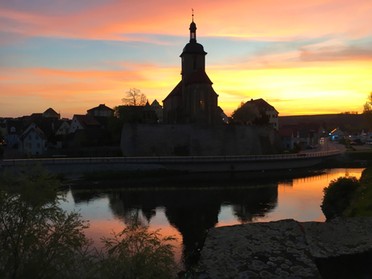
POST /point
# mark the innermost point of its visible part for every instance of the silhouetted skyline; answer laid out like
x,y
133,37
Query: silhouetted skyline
x,y
303,57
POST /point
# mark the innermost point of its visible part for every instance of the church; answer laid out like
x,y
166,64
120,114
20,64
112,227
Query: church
x,y
192,120
193,100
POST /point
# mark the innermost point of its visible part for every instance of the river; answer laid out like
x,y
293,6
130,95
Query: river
x,y
186,212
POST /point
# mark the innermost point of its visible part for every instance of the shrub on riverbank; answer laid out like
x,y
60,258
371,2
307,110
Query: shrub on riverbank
x,y
338,196
361,205
137,253
37,238
40,240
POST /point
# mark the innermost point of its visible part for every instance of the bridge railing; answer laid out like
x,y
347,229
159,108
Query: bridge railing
x,y
168,159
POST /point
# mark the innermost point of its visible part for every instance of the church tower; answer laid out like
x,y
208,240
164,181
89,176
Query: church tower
x,y
193,100
193,55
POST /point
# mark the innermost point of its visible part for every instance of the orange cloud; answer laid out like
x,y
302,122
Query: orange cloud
x,y
253,19
25,91
330,76
312,89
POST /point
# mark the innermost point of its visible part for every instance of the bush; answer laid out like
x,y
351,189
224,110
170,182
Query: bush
x,y
40,240
137,253
338,196
37,238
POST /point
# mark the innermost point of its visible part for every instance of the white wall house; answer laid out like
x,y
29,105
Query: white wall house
x,y
33,141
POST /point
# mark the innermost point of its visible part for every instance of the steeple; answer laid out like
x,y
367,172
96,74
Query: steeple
x,y
193,100
192,29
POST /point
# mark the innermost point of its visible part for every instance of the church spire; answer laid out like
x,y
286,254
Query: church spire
x,y
192,29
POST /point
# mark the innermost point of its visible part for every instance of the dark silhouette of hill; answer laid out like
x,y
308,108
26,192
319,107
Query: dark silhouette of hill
x,y
351,123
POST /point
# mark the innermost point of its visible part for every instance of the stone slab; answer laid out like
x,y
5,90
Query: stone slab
x,y
257,250
339,237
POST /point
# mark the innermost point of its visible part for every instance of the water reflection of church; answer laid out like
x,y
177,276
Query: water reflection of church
x,y
191,211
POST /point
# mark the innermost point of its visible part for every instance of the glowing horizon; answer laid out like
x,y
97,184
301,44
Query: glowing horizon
x,y
303,57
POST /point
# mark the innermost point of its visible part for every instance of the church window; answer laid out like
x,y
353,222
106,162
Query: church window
x,y
202,104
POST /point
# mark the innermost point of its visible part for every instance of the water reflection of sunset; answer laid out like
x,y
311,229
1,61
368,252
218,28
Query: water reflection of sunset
x,y
301,198
187,214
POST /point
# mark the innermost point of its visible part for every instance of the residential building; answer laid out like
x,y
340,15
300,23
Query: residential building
x,y
263,110
81,122
33,141
101,111
51,113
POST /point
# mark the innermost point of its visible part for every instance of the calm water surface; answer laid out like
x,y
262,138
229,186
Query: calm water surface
x,y
186,214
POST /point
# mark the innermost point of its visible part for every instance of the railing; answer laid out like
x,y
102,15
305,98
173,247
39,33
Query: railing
x,y
170,159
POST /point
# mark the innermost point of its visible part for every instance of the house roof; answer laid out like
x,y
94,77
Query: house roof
x,y
261,104
51,111
295,129
86,120
33,127
100,107
155,104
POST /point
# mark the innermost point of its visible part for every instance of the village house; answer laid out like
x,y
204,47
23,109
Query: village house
x,y
300,137
264,109
33,141
149,114
101,111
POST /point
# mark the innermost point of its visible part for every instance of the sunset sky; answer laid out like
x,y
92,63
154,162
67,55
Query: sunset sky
x,y
303,57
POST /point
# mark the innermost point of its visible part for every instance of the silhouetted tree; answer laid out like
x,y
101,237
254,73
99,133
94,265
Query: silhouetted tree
x,y
338,196
245,114
367,108
134,97
249,114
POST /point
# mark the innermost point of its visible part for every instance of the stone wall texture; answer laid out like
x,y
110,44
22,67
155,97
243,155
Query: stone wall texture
x,y
194,140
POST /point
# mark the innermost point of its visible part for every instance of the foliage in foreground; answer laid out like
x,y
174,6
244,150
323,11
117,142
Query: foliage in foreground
x,y
362,202
338,196
138,253
40,240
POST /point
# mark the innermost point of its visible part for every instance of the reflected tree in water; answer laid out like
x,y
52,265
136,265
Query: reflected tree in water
x,y
191,211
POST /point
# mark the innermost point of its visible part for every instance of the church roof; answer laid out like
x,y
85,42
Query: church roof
x,y
193,48
177,91
197,77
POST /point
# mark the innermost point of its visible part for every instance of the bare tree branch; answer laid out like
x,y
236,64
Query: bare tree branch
x,y
134,97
